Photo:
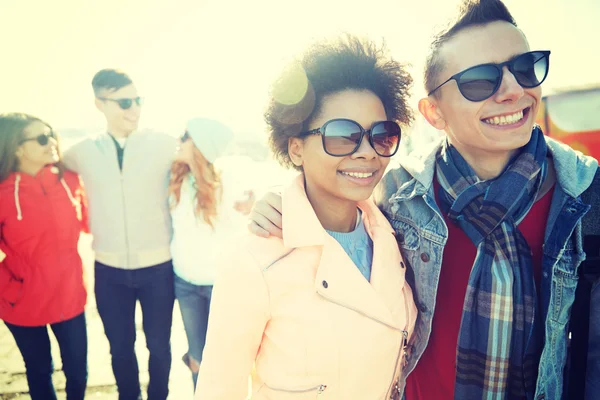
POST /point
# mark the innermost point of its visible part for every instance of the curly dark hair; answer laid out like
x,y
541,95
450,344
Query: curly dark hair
x,y
330,67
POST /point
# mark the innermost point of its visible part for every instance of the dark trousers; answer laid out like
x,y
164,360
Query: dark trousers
x,y
34,345
117,291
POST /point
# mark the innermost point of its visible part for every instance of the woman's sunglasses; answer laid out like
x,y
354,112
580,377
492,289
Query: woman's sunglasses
x,y
482,81
125,103
42,139
342,137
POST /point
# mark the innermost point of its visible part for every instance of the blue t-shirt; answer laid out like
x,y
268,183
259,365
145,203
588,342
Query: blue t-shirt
x,y
358,245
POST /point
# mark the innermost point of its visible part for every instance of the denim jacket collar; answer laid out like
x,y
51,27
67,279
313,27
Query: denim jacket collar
x,y
421,168
574,171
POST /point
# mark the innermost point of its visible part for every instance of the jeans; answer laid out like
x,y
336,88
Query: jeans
x,y
194,304
34,345
117,291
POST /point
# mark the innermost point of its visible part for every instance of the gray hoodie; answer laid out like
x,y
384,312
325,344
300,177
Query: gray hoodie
x,y
128,208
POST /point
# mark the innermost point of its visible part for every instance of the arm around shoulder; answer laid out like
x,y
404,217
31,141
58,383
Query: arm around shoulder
x,y
69,158
239,313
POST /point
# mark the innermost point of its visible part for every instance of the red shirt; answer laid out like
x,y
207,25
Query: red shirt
x,y
435,373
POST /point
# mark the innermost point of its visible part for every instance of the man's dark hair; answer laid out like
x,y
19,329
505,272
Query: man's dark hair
x,y
327,68
472,13
110,79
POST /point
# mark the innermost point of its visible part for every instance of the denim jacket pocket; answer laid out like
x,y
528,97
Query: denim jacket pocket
x,y
406,234
564,283
569,259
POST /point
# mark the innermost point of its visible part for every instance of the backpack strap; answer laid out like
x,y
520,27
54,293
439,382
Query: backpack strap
x,y
589,272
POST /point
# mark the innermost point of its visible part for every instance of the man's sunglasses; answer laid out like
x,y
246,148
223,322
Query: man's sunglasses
x,y
482,81
125,103
342,137
42,139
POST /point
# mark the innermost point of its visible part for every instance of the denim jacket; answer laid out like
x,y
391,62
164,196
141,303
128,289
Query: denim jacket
x,y
406,196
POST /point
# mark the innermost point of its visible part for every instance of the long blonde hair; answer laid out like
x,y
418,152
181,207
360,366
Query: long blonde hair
x,y
209,191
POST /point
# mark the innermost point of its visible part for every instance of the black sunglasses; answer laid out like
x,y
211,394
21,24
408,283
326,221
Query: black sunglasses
x,y
42,139
342,137
125,103
482,81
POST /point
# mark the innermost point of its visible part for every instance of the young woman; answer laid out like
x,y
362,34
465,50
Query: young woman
x,y
42,213
207,208
324,312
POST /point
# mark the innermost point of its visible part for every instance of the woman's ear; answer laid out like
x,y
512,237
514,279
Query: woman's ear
x,y
19,153
296,150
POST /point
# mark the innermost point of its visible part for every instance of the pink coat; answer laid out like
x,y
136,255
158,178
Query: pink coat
x,y
298,316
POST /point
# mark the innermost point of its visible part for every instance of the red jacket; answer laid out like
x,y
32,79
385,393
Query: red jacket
x,y
41,273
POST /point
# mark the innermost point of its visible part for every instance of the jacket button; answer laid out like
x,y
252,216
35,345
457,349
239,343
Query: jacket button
x,y
402,264
424,257
400,238
325,285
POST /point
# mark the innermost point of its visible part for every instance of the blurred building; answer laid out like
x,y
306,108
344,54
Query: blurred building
x,y
573,116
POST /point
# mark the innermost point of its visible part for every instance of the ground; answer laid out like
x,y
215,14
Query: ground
x,y
101,382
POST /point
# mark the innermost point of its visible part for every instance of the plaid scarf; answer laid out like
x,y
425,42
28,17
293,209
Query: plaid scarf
x,y
500,340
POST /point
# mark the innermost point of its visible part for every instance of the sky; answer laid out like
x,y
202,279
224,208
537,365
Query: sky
x,y
217,58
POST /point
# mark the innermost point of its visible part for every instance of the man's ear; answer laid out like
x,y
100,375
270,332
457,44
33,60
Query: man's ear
x,y
99,104
429,108
296,150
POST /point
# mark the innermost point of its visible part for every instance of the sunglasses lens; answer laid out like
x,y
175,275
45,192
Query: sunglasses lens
x,y
530,69
341,137
479,83
385,137
125,103
43,139
139,101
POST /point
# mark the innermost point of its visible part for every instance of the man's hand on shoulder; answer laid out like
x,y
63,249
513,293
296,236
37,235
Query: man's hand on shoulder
x,y
265,217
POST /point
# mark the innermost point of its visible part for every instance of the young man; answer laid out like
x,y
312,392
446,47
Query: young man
x,y
489,219
126,174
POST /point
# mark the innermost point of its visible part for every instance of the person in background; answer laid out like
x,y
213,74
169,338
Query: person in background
x,y
42,213
208,203
126,174
326,310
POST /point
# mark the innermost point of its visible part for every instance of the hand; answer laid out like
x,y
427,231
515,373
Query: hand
x,y
2,255
244,206
265,218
